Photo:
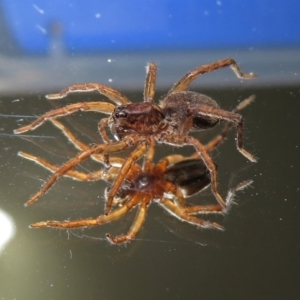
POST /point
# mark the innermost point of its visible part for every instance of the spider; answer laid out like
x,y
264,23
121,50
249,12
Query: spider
x,y
140,124
168,183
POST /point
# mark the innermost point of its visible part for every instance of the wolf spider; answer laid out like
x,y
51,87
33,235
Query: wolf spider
x,y
140,124
168,183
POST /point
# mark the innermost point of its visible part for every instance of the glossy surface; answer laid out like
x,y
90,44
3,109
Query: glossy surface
x,y
256,257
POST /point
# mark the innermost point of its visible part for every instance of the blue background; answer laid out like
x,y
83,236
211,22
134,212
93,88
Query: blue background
x,y
100,26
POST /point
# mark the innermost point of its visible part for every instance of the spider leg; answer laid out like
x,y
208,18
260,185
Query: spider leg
x,y
230,117
103,107
244,103
115,161
183,140
102,131
231,193
221,137
169,187
80,157
107,91
133,157
149,88
179,197
135,227
205,209
182,215
69,135
188,78
105,138
162,165
132,174
109,175
148,161
102,219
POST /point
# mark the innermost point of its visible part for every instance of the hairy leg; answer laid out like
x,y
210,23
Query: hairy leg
x,y
132,158
188,78
103,107
102,219
188,140
149,89
181,214
107,175
107,91
135,227
230,117
115,161
206,209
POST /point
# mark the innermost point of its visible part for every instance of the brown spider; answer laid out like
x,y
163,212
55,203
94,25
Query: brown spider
x,y
140,124
168,183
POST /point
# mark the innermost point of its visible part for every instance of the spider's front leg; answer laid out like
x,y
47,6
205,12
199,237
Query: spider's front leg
x,y
102,107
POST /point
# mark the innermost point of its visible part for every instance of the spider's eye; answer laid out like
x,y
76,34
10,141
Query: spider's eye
x,y
121,114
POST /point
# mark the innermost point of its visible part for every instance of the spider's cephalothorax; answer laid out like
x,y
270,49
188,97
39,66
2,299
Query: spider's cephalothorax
x,y
142,123
145,119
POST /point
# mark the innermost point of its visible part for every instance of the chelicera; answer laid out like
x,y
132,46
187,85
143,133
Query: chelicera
x,y
140,124
169,183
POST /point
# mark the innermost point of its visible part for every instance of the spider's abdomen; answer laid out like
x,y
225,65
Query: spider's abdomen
x,y
200,106
190,175
190,110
